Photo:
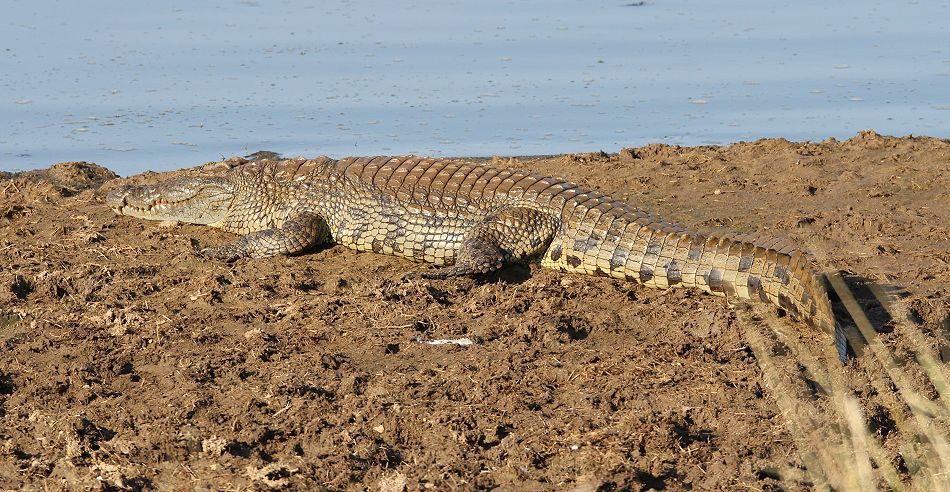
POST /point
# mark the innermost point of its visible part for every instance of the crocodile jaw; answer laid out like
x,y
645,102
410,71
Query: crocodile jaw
x,y
192,200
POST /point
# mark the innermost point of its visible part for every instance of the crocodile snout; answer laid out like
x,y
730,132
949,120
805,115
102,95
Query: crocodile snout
x,y
199,201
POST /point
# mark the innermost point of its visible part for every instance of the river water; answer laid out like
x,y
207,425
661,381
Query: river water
x,y
164,85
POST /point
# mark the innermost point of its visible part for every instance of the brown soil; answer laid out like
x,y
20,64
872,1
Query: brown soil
x,y
128,362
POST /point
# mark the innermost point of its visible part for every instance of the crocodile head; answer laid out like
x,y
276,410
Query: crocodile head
x,y
193,200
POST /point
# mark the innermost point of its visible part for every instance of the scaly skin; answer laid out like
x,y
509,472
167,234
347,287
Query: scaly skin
x,y
468,219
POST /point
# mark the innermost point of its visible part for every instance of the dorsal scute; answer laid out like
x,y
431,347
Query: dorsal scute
x,y
283,171
780,244
388,174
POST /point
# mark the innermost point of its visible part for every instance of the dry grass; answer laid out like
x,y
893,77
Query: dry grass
x,y
829,426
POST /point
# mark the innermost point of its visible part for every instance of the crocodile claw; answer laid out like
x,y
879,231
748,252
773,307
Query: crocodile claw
x,y
223,253
408,277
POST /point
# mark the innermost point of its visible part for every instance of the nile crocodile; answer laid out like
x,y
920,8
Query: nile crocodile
x,y
470,219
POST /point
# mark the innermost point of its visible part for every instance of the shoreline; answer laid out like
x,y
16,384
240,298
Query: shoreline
x,y
130,361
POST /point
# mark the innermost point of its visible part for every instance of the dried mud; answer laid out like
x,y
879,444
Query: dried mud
x,y
128,362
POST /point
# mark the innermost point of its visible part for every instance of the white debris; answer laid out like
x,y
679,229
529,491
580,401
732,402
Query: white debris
x,y
461,342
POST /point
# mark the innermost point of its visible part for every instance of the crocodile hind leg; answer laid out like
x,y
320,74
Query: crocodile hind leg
x,y
296,235
504,236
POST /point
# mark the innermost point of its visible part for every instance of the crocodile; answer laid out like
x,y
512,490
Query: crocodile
x,y
468,218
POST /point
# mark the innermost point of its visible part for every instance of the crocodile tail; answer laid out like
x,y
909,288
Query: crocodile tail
x,y
659,255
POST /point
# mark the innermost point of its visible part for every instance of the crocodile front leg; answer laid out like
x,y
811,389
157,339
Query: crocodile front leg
x,y
296,235
504,236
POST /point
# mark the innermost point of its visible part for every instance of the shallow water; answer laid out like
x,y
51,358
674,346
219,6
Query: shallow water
x,y
164,85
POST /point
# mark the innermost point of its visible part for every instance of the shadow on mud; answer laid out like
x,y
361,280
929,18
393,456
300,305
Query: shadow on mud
x,y
862,307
